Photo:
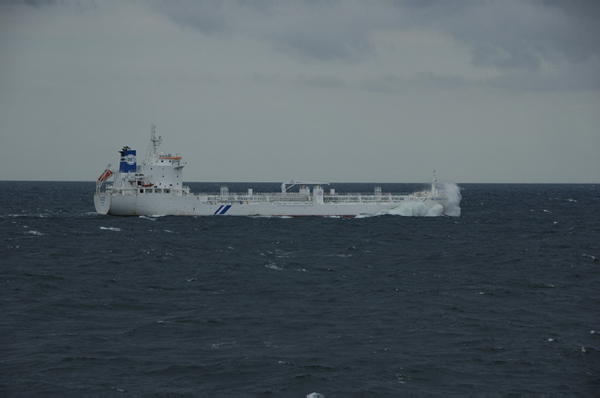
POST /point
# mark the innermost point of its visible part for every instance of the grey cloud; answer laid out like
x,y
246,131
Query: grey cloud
x,y
584,78
78,4
575,78
210,17
443,82
327,82
510,37
36,3
499,34
419,81
312,31
260,78
516,34
385,84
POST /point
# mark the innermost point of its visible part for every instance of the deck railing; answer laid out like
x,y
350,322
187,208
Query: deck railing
x,y
297,197
246,198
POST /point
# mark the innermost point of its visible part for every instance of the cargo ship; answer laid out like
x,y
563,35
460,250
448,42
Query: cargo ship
x,y
155,187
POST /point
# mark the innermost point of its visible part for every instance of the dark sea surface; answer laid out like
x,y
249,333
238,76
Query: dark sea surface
x,y
503,299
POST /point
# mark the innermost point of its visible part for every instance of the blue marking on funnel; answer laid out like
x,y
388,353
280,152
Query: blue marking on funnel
x,y
128,161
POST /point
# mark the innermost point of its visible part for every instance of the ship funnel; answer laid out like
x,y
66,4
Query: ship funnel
x,y
128,161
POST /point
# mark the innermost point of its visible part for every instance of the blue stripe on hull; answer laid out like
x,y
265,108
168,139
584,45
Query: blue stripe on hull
x,y
225,209
222,210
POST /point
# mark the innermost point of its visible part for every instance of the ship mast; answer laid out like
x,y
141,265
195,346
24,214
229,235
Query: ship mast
x,y
434,191
154,143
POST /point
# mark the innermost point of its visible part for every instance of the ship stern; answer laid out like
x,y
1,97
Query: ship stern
x,y
102,203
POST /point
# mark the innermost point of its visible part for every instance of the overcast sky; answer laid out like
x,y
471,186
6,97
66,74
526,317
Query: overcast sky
x,y
340,91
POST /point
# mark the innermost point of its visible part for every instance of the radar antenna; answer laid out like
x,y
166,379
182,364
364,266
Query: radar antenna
x,y
154,143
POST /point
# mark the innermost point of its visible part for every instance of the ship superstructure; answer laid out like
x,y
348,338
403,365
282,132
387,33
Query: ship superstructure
x,y
155,187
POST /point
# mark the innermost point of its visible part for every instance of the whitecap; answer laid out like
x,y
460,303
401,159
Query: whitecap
x,y
37,233
272,265
409,209
110,228
436,211
452,192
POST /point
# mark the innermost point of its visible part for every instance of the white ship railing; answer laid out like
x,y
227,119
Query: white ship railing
x,y
244,198
255,198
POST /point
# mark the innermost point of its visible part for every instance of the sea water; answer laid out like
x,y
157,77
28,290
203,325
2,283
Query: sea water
x,y
502,297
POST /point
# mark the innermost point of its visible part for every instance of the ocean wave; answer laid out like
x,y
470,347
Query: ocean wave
x,y
110,228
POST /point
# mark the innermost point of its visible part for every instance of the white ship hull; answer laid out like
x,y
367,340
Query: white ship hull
x,y
156,204
155,188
